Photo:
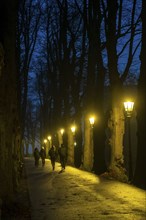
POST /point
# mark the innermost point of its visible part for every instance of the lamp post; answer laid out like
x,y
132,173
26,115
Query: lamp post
x,y
73,130
128,105
45,141
49,139
62,132
91,120
71,146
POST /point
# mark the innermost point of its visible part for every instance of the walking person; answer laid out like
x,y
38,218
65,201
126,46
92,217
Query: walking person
x,y
53,156
63,155
36,156
43,155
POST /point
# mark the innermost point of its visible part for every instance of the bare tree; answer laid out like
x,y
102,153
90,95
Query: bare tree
x,y
84,42
32,123
116,77
29,20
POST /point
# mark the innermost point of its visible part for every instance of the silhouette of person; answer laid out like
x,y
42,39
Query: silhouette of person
x,y
36,156
63,155
43,155
53,156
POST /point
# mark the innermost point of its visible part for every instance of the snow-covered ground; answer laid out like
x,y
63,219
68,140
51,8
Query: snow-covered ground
x,y
76,195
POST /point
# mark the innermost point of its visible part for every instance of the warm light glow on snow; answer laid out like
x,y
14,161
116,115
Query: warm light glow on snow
x,y
75,194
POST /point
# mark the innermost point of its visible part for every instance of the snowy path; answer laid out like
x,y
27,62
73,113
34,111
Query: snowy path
x,y
79,195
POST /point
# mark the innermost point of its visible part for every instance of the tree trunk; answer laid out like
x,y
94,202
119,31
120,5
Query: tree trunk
x,y
9,122
140,174
116,125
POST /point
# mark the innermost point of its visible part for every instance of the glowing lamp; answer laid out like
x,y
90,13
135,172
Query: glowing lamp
x,y
62,131
45,141
128,107
49,137
92,120
73,129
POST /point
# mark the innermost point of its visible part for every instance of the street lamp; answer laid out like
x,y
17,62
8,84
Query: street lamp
x,y
92,120
128,105
62,131
128,108
75,143
49,138
73,129
45,141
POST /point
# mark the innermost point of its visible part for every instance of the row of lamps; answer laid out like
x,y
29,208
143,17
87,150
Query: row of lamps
x,y
128,105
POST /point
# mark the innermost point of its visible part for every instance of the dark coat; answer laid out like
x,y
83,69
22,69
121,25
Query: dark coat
x,y
42,153
53,153
36,154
